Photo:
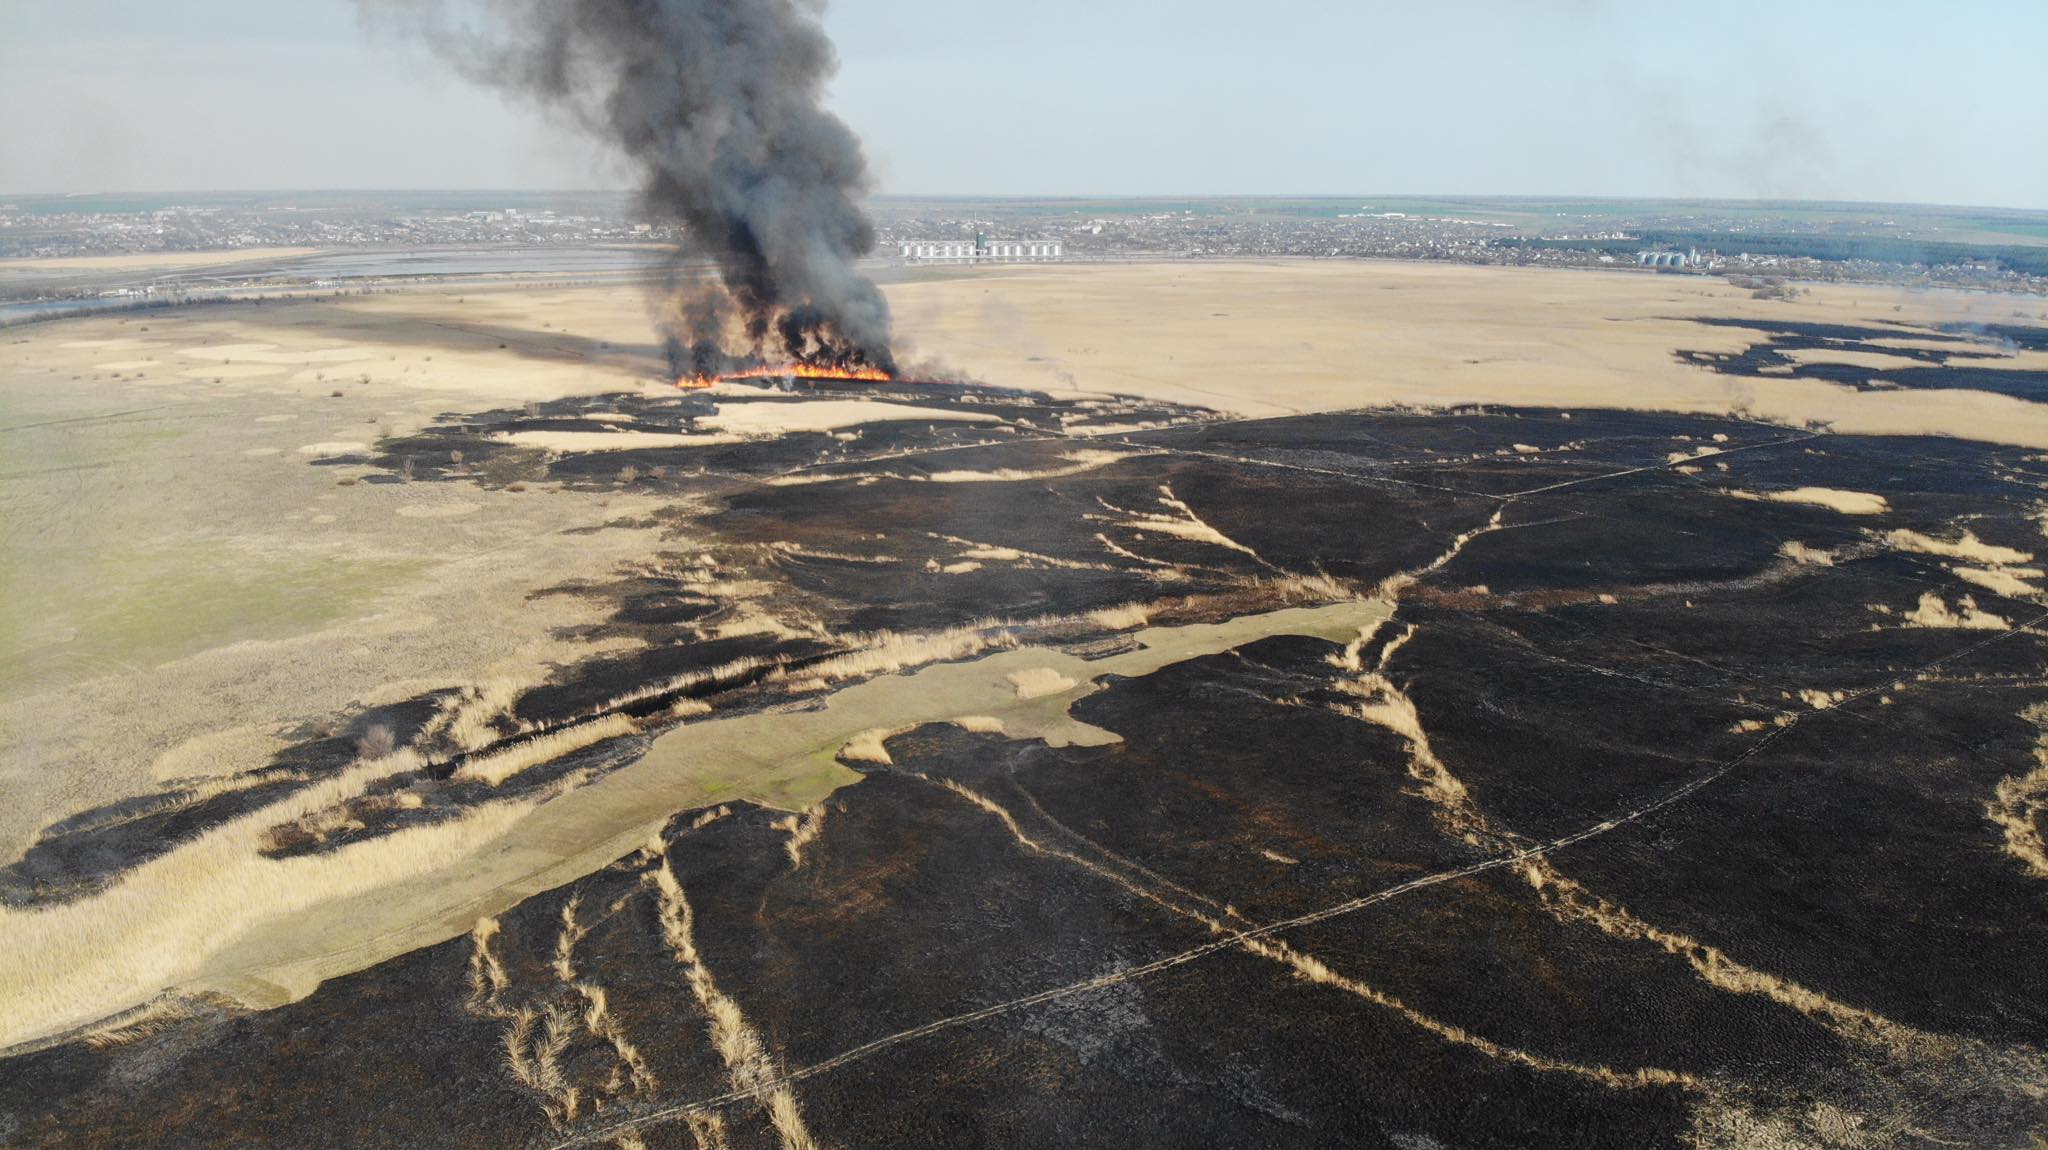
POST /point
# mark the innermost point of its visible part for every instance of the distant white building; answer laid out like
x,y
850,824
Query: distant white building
x,y
1685,259
981,250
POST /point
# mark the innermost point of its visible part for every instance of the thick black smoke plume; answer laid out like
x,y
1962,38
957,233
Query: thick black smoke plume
x,y
718,103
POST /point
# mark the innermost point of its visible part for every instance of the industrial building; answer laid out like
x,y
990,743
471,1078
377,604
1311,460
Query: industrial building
x,y
981,250
1685,259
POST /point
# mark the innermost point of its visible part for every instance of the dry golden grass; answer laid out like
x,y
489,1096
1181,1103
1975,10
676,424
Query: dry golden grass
x,y
467,720
980,724
1844,502
748,1064
1968,548
1571,902
1313,970
2008,581
2020,803
498,766
152,1018
1434,336
996,553
802,828
1934,612
1121,618
1799,552
1317,588
1179,521
885,652
866,747
70,964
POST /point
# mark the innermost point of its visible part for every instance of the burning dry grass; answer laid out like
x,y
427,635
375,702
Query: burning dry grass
x,y
1843,502
499,766
747,1061
1933,611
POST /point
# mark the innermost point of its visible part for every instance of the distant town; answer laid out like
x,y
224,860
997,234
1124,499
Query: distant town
x,y
1772,245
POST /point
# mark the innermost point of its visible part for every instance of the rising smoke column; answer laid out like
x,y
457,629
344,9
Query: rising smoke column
x,y
719,104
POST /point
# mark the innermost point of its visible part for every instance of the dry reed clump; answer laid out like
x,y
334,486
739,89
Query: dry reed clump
x,y
468,720
2019,804
160,923
153,1018
1122,617
376,742
1037,682
802,828
1820,700
498,766
711,676
1316,588
867,746
1933,612
887,651
1799,552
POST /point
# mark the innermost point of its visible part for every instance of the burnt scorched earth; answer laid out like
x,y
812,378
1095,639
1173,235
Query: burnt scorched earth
x,y
1689,795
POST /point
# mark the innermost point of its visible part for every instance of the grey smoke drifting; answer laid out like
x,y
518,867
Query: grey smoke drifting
x,y
718,102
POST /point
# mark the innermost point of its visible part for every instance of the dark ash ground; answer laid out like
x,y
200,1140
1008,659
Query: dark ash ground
x,y
1689,842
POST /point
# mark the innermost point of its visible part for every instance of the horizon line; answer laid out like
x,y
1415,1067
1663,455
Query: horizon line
x,y
1057,196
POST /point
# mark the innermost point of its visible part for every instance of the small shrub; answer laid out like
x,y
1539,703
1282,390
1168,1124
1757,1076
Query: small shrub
x,y
376,742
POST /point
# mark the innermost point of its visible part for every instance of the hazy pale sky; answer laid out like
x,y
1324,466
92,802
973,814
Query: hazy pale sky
x,y
1836,99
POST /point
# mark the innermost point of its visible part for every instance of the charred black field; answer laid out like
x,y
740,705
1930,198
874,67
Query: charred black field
x,y
1681,787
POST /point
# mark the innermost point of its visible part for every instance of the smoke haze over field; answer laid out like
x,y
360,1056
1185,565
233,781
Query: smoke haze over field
x,y
718,103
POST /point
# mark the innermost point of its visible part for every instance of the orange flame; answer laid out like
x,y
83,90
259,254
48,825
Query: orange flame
x,y
791,371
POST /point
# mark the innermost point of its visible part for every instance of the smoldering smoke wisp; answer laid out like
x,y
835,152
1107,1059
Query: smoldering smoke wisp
x,y
719,104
